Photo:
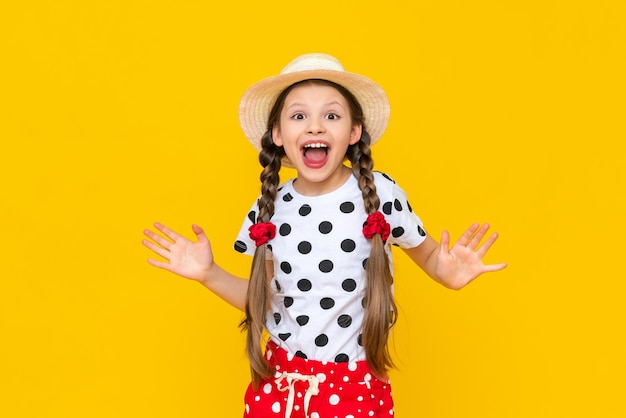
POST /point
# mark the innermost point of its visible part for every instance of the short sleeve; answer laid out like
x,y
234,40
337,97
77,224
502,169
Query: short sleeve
x,y
243,243
407,229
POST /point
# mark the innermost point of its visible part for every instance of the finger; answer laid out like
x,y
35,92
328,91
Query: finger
x,y
157,249
168,232
467,235
158,239
487,245
478,236
159,264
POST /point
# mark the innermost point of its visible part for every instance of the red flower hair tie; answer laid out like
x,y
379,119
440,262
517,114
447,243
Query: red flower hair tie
x,y
262,232
376,224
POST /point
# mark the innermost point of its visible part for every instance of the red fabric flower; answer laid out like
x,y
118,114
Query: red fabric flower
x,y
376,224
262,232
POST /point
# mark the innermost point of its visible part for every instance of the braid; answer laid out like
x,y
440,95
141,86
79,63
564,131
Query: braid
x,y
362,166
380,307
257,298
270,158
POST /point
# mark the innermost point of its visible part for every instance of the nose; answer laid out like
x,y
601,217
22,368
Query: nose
x,y
316,126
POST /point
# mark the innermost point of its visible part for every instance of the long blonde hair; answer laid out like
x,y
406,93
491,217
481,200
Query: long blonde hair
x,y
380,308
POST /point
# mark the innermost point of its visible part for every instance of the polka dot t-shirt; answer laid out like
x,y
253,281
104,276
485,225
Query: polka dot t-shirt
x,y
319,255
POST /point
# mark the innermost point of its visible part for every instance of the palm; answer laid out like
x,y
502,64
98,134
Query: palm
x,y
463,262
184,257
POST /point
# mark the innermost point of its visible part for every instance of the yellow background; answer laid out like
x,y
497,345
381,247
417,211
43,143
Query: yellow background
x,y
114,114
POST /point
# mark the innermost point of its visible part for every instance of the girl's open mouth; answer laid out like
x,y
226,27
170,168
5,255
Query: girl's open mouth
x,y
315,154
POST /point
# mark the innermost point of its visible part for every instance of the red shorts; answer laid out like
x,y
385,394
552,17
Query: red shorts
x,y
307,388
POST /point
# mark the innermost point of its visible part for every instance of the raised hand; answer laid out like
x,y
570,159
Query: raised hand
x,y
459,265
192,260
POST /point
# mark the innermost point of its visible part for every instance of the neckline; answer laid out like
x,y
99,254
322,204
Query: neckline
x,y
339,190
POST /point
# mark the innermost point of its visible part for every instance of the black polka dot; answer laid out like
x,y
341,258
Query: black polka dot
x,y
327,303
344,321
288,301
346,207
277,285
277,318
397,205
325,227
421,231
304,210
304,285
387,208
301,354
359,340
285,267
284,230
348,245
365,263
408,205
284,336
342,358
364,302
397,232
321,340
304,247
240,246
349,285
288,197
388,178
252,216
302,320
326,266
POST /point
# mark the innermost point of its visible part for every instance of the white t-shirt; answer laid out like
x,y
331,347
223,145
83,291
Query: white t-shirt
x,y
319,255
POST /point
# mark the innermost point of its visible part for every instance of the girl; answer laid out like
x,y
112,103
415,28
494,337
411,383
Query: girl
x,y
321,284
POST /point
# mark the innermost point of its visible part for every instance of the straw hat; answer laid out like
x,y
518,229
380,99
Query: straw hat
x,y
257,101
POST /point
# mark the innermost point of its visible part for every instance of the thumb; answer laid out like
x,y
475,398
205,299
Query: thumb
x,y
445,242
202,238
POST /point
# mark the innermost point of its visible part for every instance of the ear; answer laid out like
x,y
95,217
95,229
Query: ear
x,y
355,133
276,136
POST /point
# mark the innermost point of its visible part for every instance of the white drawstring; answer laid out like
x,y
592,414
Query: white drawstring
x,y
292,378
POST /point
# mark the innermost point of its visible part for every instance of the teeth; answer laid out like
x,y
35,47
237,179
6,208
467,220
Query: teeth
x,y
316,145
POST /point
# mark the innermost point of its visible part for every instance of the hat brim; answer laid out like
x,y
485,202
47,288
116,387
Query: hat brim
x,y
257,101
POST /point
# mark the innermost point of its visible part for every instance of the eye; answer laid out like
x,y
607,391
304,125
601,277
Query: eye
x,y
332,116
298,116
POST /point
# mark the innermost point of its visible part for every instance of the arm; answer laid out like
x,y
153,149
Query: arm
x,y
457,266
194,261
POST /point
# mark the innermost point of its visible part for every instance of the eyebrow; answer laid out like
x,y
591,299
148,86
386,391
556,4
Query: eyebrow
x,y
331,103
